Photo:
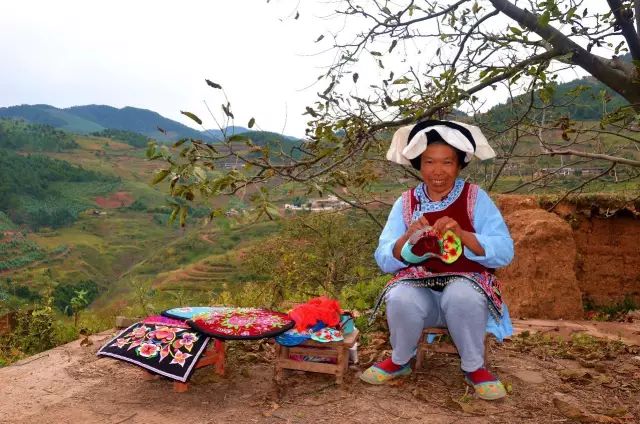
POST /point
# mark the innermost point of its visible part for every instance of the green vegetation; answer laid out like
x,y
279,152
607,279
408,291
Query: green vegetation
x,y
583,99
18,253
19,135
6,223
35,190
129,137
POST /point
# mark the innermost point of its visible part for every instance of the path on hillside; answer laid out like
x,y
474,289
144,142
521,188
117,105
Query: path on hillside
x,y
70,384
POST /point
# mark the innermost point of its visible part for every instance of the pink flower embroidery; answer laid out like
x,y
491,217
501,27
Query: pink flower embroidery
x,y
180,357
189,338
120,343
148,350
163,333
164,352
135,343
140,332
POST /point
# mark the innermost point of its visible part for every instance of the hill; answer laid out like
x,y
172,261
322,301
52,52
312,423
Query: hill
x,y
95,118
132,125
590,101
20,135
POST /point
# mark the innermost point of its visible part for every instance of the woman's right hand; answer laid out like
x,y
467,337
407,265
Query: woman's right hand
x,y
418,224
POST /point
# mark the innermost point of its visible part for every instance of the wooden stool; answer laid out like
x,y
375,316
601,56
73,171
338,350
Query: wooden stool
x,y
337,350
440,345
213,355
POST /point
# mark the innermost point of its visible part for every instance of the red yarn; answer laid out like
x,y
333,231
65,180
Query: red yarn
x,y
316,309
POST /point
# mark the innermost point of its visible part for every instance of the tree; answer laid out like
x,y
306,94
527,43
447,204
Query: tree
x,y
443,59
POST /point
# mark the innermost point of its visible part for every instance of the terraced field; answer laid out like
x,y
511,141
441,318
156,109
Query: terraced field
x,y
203,275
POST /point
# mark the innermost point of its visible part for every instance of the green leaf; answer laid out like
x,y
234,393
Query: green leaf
x,y
227,110
251,123
173,215
180,142
403,80
375,53
394,43
515,30
213,84
161,175
183,215
544,19
192,116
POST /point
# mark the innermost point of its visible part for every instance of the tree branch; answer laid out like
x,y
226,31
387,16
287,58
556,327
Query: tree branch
x,y
622,83
625,21
608,158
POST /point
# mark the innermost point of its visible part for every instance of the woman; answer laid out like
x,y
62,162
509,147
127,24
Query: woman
x,y
463,295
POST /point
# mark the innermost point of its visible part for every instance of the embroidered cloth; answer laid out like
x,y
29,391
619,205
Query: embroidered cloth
x,y
242,323
188,312
165,349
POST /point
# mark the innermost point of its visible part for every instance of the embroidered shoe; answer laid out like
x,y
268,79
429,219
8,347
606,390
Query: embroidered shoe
x,y
485,384
377,374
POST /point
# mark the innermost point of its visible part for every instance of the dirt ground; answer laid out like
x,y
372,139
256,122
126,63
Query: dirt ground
x,y
583,380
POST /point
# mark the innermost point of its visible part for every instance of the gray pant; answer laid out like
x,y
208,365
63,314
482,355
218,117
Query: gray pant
x,y
460,308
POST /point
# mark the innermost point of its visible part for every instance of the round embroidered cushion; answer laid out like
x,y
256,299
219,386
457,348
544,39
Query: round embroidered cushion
x,y
242,323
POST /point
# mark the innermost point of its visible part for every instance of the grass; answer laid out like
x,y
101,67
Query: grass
x,y
580,346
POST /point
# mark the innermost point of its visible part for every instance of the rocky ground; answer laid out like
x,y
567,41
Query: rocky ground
x,y
578,378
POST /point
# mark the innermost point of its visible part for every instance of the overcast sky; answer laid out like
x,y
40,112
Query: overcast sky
x,y
156,55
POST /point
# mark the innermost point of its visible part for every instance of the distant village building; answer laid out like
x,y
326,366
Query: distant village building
x,y
567,171
331,203
554,171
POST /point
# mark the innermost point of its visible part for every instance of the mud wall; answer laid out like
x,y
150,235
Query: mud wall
x,y
566,257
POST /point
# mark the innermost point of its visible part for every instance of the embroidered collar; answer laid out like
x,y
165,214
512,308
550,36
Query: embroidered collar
x,y
425,204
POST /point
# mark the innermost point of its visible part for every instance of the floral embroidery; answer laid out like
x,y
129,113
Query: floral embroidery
x,y
243,323
161,341
180,357
148,350
472,196
159,347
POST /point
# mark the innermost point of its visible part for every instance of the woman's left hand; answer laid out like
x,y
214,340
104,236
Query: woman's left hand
x,y
445,223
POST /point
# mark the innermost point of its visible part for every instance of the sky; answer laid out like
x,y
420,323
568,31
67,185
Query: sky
x,y
156,55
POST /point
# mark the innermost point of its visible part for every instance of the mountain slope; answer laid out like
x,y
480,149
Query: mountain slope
x,y
95,118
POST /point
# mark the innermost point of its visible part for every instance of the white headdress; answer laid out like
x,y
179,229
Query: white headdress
x,y
409,142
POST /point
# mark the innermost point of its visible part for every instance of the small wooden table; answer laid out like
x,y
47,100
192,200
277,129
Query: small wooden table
x,y
439,345
213,355
337,350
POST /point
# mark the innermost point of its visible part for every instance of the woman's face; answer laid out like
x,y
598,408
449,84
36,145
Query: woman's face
x,y
439,167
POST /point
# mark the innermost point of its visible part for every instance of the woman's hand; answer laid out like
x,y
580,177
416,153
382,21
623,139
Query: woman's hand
x,y
445,223
416,225
467,238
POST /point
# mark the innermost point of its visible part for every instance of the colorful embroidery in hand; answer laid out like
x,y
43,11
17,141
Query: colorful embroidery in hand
x,y
427,243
